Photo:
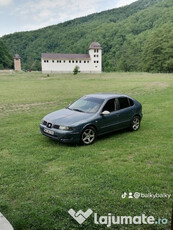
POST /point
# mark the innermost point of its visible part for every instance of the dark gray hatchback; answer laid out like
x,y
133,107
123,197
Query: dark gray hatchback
x,y
92,115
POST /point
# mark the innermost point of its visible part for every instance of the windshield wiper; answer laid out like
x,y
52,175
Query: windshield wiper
x,y
78,110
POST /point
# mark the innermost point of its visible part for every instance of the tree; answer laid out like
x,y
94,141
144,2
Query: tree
x,y
36,66
76,70
6,60
158,51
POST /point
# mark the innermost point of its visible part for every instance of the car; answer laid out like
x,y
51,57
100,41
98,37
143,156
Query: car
x,y
91,116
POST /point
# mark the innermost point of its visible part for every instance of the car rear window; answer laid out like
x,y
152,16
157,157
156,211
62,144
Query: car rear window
x,y
123,102
131,102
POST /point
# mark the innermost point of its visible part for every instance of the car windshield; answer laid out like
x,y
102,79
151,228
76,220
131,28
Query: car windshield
x,y
87,104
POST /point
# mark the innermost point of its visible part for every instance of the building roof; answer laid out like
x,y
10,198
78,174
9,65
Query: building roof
x,y
16,56
60,56
65,56
95,45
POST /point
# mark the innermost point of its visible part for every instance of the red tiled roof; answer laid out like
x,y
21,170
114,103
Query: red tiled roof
x,y
65,56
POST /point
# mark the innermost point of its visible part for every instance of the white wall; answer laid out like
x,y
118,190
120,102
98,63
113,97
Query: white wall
x,y
96,59
90,66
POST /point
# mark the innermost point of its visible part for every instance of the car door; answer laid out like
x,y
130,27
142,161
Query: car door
x,y
109,122
126,111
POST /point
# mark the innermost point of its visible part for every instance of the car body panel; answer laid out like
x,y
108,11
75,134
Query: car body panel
x,y
77,121
67,117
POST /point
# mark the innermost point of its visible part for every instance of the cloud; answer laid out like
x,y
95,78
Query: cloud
x,y
121,3
5,2
36,14
41,13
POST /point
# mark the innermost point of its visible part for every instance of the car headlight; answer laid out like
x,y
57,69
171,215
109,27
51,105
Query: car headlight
x,y
61,127
44,122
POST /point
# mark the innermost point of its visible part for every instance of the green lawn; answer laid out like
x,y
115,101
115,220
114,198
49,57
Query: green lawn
x,y
41,179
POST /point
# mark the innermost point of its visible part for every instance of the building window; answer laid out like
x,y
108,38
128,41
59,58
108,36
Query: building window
x,y
76,61
64,61
84,61
79,61
87,61
97,61
69,61
53,61
47,60
97,51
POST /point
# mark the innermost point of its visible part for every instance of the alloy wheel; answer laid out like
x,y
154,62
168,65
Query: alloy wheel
x,y
135,123
88,136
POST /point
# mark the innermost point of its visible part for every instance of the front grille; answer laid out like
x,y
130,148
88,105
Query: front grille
x,y
56,126
44,123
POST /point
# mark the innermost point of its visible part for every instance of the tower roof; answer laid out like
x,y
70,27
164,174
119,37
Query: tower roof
x,y
16,56
95,45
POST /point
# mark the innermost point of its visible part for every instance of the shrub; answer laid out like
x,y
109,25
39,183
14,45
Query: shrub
x,y
76,70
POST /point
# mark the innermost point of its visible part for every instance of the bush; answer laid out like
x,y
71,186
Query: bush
x,y
76,70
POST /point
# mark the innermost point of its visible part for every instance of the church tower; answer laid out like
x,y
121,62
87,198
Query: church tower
x,y
17,63
95,52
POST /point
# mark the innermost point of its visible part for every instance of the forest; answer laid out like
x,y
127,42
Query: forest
x,y
138,37
6,60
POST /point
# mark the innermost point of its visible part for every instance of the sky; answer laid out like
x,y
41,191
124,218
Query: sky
x,y
26,15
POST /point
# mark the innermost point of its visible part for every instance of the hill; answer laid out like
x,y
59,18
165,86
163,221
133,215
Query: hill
x,y
6,59
134,38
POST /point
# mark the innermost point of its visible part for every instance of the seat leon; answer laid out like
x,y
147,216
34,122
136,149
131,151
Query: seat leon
x,y
91,116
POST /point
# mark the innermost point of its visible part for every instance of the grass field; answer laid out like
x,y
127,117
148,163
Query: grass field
x,y
40,179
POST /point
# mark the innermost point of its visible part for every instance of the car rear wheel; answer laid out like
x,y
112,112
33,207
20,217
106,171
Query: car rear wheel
x,y
88,135
135,125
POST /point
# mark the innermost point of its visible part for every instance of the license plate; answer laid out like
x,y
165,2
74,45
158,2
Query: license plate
x,y
49,131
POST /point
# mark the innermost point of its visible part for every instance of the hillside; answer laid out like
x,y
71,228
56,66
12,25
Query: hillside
x,y
134,38
6,59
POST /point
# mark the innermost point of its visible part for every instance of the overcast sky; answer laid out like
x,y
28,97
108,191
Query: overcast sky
x,y
24,15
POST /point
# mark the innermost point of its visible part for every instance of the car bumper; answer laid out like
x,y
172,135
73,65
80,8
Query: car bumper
x,y
61,135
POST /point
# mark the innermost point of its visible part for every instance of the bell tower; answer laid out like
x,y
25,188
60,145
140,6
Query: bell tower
x,y
17,63
95,52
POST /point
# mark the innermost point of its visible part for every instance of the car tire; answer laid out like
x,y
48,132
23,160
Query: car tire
x,y
135,124
88,135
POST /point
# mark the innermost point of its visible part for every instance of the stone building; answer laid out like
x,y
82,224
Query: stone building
x,y
17,62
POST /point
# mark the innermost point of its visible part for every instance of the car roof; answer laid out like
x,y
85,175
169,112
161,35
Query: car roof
x,y
106,95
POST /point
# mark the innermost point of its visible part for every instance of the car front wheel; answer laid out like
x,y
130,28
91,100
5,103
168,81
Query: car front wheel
x,y
88,135
135,125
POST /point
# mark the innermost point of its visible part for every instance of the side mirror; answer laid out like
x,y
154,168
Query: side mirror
x,y
105,112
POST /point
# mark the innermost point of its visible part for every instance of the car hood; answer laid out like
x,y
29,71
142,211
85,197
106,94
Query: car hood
x,y
67,117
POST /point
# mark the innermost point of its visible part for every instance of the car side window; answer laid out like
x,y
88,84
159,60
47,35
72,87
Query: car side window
x,y
123,102
131,102
110,105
